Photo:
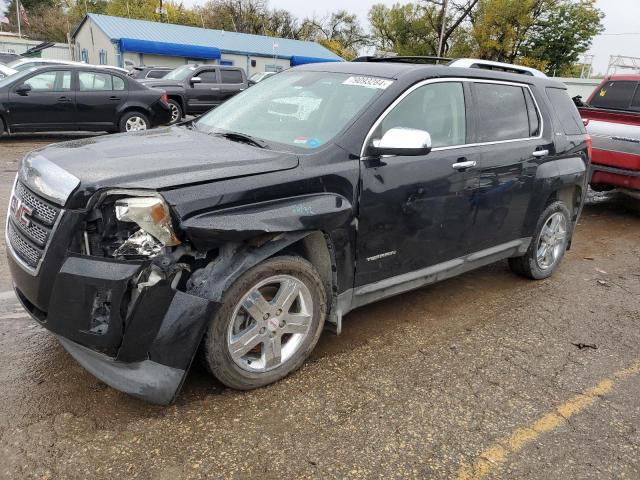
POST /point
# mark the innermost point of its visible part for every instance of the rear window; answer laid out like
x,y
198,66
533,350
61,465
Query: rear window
x,y
156,73
616,95
231,76
566,111
502,111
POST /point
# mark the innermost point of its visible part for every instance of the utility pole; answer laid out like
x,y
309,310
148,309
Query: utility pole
x,y
18,15
442,24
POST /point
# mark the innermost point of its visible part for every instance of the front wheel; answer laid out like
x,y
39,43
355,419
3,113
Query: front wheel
x,y
269,322
134,122
547,246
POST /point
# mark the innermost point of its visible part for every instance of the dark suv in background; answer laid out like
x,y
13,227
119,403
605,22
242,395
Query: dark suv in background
x,y
144,71
194,89
236,236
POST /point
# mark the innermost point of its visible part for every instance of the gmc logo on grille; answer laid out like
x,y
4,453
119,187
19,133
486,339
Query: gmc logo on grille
x,y
20,212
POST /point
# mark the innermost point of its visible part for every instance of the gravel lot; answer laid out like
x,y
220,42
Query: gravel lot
x,y
483,376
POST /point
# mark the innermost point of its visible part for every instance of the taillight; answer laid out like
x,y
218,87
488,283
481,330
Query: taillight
x,y
589,147
164,98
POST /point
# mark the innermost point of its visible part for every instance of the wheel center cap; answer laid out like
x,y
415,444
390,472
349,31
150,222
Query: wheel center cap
x,y
272,324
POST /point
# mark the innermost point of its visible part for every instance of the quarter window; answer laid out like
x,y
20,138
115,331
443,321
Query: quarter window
x,y
566,111
437,108
231,76
156,73
50,82
118,83
94,81
616,95
502,112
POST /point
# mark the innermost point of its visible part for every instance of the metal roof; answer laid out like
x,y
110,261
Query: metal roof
x,y
230,42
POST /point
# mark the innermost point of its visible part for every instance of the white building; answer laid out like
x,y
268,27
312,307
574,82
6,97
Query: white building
x,y
123,42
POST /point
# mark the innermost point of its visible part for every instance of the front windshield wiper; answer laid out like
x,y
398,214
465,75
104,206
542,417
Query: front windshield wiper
x,y
241,137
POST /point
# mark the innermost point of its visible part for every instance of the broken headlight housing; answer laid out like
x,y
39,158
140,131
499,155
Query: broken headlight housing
x,y
151,214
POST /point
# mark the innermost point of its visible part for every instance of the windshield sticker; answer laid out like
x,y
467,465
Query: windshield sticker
x,y
368,82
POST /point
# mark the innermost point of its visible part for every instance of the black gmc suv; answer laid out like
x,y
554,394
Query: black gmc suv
x,y
194,89
326,188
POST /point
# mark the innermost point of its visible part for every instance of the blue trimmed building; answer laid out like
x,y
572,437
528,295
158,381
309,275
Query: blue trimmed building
x,y
123,42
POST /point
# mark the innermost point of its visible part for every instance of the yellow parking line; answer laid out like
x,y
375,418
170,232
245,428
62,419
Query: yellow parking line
x,y
496,455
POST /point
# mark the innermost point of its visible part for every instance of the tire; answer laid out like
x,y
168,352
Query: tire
x,y
176,111
254,364
531,265
3,130
134,121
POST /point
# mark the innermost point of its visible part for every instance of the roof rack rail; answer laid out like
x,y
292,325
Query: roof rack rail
x,y
499,66
403,59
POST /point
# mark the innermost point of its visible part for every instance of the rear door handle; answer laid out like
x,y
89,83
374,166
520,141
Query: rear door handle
x,y
540,153
114,98
64,99
215,88
464,165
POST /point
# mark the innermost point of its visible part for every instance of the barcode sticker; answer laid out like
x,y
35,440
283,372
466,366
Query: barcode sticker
x,y
368,82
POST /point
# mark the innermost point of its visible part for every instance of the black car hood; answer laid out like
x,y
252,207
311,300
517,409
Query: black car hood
x,y
162,158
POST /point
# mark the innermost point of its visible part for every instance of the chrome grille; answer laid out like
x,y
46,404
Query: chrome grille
x,y
28,253
42,210
30,231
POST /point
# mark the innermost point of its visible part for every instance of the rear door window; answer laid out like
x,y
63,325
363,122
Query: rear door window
x,y
230,76
94,82
616,95
502,112
566,111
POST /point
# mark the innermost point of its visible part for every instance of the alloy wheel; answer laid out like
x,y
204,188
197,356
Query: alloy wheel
x,y
270,323
135,124
175,113
551,241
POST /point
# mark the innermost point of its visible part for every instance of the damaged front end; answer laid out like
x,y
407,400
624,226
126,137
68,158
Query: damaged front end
x,y
116,295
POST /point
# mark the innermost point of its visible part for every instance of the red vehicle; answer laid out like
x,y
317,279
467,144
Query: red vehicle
x,y
612,117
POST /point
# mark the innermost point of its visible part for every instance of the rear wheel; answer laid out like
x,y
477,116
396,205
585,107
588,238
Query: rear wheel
x,y
548,245
269,322
176,111
134,122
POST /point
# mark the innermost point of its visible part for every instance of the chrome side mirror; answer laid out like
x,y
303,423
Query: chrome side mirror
x,y
402,141
196,80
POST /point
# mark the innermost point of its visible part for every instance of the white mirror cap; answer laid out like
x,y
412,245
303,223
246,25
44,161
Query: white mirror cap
x,y
405,138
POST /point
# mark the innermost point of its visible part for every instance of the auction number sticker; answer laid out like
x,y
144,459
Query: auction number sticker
x,y
368,82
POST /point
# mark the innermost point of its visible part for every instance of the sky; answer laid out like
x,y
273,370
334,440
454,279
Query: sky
x,y
622,16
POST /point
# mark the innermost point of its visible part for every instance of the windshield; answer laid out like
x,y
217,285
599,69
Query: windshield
x,y
297,108
180,73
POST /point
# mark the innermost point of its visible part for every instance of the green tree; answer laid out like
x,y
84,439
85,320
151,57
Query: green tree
x,y
340,32
403,29
562,34
501,27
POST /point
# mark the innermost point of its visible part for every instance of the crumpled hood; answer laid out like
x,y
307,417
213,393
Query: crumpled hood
x,y
161,158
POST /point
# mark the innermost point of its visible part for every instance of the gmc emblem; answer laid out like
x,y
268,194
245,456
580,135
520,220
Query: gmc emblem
x,y
20,212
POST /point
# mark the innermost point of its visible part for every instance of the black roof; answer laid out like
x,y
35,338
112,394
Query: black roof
x,y
416,72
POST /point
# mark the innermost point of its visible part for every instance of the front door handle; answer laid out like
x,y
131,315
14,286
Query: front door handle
x,y
114,98
464,165
215,88
540,153
64,99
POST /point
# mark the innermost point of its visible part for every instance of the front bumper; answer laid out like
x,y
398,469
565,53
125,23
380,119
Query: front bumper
x,y
144,346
